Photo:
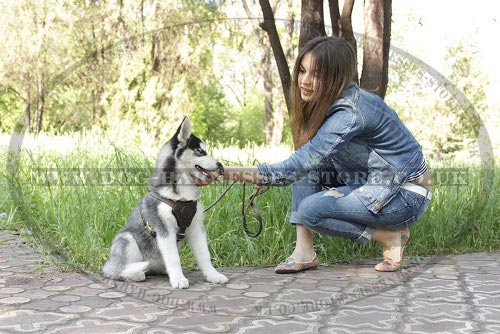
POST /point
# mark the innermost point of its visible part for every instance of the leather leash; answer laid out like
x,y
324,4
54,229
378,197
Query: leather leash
x,y
244,208
220,196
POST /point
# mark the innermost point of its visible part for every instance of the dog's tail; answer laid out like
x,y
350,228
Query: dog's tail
x,y
134,271
125,261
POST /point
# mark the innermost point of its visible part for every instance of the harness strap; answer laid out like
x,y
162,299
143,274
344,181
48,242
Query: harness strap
x,y
167,201
147,227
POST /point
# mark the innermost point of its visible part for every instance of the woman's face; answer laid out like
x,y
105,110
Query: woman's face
x,y
307,79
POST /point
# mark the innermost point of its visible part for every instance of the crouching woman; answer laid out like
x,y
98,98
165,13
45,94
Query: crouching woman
x,y
357,173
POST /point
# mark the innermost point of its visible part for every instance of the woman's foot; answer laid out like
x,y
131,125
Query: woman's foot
x,y
291,265
303,257
393,243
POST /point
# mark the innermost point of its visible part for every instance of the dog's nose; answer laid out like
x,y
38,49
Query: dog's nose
x,y
221,168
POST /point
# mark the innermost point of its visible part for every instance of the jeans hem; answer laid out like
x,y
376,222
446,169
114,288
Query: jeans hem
x,y
366,236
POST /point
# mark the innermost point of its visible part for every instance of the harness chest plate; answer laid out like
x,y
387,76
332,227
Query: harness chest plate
x,y
184,212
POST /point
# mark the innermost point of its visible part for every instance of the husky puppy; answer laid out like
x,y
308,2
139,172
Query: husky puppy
x,y
148,243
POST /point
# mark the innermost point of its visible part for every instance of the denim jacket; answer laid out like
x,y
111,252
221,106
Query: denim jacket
x,y
364,140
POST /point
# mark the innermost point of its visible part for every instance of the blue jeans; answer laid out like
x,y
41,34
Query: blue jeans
x,y
339,212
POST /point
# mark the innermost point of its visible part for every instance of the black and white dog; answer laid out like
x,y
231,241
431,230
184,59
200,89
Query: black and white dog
x,y
148,244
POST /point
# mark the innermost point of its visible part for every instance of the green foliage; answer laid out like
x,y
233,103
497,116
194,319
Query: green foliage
x,y
209,111
436,112
11,106
247,123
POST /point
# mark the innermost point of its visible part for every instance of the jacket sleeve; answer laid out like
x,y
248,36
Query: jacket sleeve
x,y
335,132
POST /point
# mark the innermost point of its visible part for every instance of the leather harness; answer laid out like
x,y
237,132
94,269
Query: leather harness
x,y
183,212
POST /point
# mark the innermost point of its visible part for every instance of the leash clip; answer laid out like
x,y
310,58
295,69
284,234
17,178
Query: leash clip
x,y
149,229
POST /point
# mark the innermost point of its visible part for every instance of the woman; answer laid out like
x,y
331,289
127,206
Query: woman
x,y
347,138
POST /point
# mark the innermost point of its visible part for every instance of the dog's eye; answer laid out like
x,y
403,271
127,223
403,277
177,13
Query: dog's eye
x,y
200,151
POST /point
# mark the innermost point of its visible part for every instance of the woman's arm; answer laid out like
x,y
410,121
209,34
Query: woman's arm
x,y
248,174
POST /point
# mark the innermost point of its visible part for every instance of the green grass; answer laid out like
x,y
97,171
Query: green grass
x,y
77,222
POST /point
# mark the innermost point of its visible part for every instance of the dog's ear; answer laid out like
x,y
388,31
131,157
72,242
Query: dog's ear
x,y
184,131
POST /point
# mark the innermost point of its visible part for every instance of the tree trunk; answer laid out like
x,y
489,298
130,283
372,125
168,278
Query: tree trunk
x,y
342,25
335,17
268,93
376,45
27,117
155,54
26,96
346,32
39,107
311,21
269,26
97,108
274,118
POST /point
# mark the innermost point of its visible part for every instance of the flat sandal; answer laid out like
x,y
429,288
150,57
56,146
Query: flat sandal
x,y
389,265
291,266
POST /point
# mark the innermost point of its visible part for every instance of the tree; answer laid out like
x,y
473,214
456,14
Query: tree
x,y
76,65
29,56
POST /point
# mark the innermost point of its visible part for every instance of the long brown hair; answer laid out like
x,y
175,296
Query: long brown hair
x,y
335,63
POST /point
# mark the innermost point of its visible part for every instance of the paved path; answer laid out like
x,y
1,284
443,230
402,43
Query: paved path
x,y
456,294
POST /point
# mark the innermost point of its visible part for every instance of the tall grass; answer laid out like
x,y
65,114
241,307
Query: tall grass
x,y
76,212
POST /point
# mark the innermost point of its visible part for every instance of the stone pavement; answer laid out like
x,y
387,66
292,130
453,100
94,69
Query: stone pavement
x,y
452,294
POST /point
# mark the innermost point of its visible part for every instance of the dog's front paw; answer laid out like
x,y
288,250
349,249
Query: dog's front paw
x,y
180,283
216,277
